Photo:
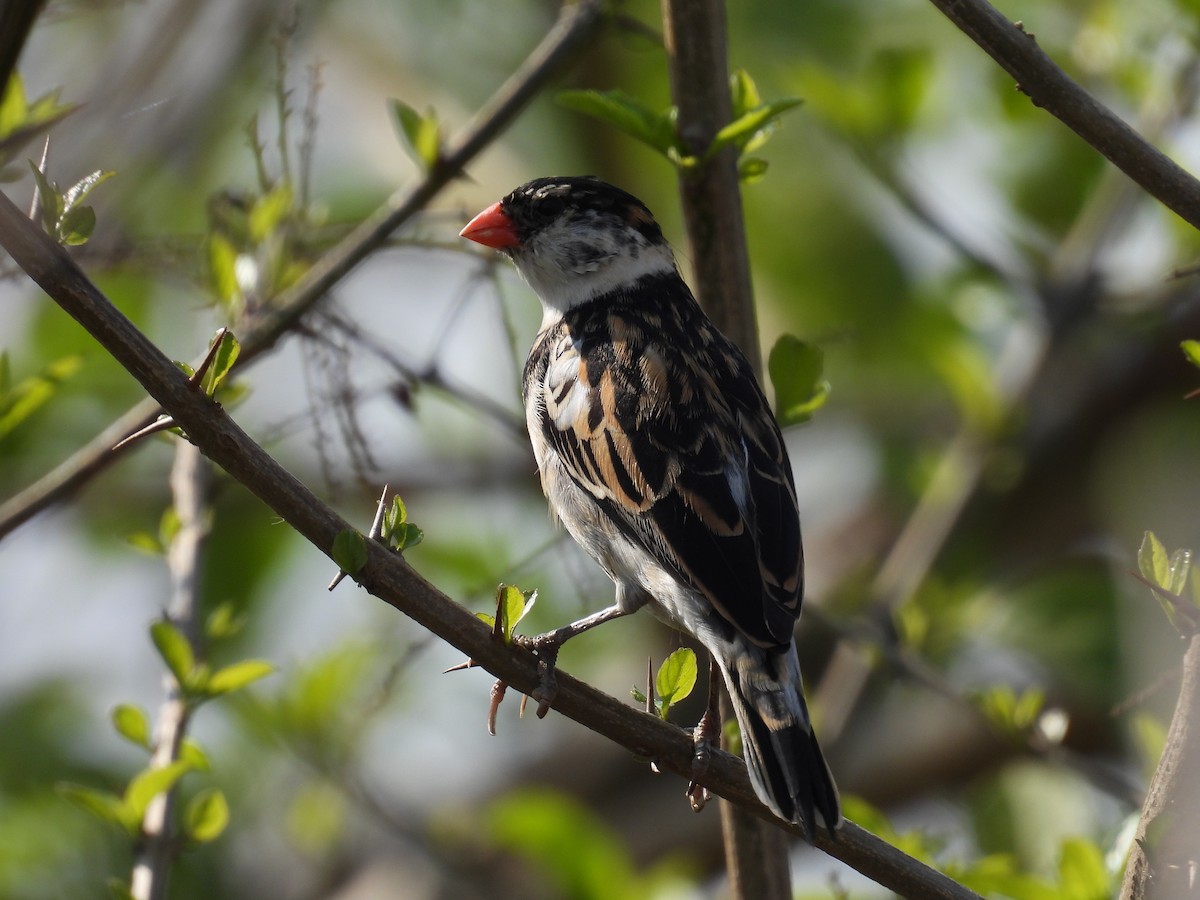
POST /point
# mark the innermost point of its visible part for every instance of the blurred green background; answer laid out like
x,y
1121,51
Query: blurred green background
x,y
1001,333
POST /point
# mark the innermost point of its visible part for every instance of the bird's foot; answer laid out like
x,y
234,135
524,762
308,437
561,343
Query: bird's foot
x,y
704,737
545,647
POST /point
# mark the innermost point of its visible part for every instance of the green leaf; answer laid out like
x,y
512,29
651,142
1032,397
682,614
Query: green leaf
x,y
422,134
145,542
1179,566
1082,872
237,675
1191,349
1027,709
676,678
14,110
206,816
743,93
628,115
175,650
104,805
396,531
638,695
20,121
751,169
76,225
795,368
1153,562
193,754
77,193
513,606
168,526
350,550
222,267
223,360
132,724
750,130
1011,714
224,622
269,211
395,516
20,401
149,783
408,535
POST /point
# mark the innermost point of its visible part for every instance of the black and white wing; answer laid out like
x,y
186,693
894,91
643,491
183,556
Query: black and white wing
x,y
661,420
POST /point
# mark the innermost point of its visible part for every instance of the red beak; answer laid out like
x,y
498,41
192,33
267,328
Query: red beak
x,y
492,228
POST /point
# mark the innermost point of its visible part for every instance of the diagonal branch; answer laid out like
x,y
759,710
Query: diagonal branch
x,y
576,25
1017,52
387,576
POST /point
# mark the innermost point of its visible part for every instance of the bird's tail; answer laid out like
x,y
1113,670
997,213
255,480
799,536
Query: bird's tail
x,y
787,769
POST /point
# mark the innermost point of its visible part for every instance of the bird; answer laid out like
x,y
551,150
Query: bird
x,y
658,452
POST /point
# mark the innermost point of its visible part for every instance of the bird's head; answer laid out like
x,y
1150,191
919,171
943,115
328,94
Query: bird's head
x,y
574,238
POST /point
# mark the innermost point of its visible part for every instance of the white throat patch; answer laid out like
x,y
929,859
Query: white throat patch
x,y
569,264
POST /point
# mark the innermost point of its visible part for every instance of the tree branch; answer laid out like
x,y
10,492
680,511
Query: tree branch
x,y
576,24
190,481
1164,861
697,54
387,576
1017,52
711,194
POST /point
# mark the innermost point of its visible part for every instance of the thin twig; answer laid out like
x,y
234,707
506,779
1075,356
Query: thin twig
x,y
190,479
389,577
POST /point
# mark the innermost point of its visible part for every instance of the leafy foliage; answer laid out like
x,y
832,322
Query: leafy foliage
x,y
421,132
21,400
1013,714
512,605
1168,575
223,358
796,370
751,127
349,551
22,120
62,212
397,532
675,681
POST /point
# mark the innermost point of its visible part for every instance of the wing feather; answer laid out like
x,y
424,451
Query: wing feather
x,y
661,420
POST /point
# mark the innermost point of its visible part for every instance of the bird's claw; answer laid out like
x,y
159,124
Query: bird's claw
x,y
545,647
703,737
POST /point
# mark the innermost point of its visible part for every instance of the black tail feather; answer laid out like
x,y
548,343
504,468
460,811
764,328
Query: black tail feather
x,y
786,766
